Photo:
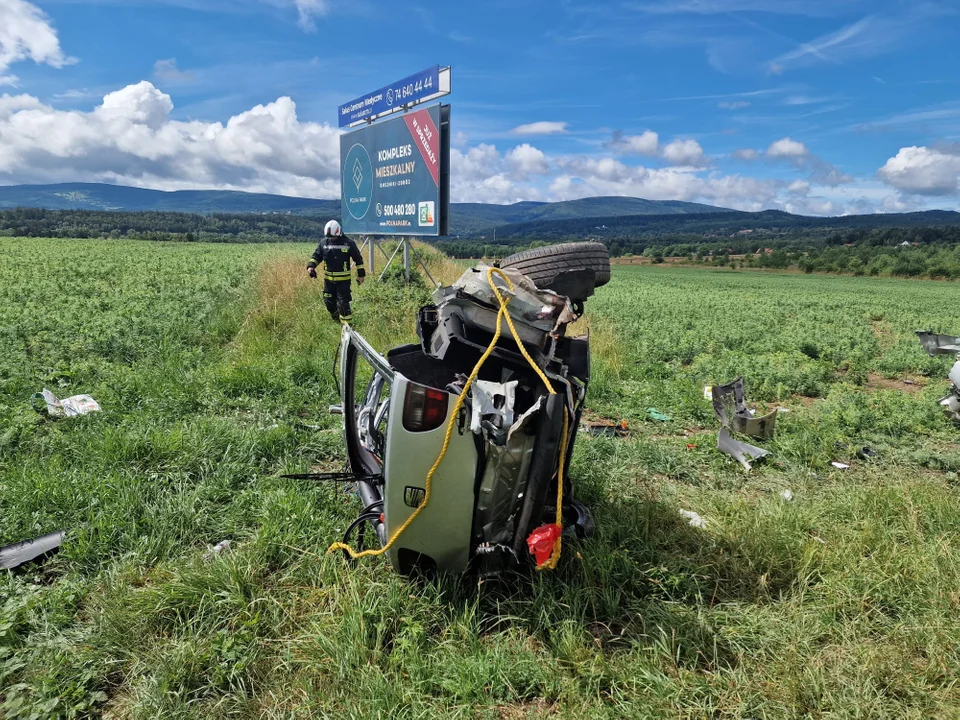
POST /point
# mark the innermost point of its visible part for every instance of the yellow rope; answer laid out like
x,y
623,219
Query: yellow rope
x,y
552,561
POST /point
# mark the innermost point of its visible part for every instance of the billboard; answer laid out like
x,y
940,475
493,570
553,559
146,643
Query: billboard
x,y
424,86
394,175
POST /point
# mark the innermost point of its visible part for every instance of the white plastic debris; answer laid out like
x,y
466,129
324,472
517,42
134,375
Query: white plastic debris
x,y
840,466
216,549
787,495
694,519
740,451
708,392
68,407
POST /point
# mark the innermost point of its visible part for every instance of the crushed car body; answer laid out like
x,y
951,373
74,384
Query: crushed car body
x,y
498,478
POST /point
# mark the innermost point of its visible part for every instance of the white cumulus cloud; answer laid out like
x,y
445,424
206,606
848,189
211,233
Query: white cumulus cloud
x,y
924,171
528,160
543,127
684,152
787,148
131,139
646,143
26,34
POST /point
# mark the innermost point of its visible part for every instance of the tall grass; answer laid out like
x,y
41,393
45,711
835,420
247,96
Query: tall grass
x,y
840,603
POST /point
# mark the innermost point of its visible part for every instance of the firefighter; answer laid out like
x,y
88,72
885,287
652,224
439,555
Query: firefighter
x,y
335,252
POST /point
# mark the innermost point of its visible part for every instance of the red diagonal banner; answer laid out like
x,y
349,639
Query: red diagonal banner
x,y
426,137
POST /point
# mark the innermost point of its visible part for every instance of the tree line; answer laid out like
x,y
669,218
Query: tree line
x,y
911,250
168,226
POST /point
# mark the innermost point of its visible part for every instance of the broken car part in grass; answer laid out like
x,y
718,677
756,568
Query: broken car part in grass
x,y
729,404
934,345
21,553
742,452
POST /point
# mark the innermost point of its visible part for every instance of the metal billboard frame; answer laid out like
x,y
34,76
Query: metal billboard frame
x,y
370,242
445,83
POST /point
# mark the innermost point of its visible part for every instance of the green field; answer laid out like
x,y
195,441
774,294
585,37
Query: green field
x,y
213,367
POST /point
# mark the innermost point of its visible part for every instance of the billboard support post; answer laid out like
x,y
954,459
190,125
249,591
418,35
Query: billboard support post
x,y
406,259
419,259
390,261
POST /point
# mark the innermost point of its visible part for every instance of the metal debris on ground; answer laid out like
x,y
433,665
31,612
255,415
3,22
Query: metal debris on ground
x,y
742,452
731,408
68,407
17,554
951,402
787,495
840,466
694,519
934,345
867,453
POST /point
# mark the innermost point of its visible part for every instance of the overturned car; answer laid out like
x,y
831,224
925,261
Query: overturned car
x,y
491,425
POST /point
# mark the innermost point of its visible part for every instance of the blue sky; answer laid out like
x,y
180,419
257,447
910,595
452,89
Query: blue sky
x,y
814,106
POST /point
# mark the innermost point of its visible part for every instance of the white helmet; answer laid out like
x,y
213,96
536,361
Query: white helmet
x,y
332,229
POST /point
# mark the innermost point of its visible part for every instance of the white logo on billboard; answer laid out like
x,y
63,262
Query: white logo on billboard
x,y
389,97
357,174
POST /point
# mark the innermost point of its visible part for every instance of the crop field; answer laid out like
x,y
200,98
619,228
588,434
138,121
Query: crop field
x,y
212,364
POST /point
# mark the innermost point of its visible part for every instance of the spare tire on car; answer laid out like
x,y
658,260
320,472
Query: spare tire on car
x,y
571,269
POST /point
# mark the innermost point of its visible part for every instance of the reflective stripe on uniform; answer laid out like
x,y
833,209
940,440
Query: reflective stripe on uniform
x,y
337,276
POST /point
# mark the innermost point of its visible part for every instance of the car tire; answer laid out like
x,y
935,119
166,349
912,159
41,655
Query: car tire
x,y
572,269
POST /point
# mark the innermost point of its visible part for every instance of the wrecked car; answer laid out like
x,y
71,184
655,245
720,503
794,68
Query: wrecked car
x,y
933,345
498,480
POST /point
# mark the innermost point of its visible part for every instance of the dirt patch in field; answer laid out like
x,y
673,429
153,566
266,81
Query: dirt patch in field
x,y
875,381
532,709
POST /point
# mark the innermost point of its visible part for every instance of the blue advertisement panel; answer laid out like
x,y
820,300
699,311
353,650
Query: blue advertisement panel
x,y
417,87
393,175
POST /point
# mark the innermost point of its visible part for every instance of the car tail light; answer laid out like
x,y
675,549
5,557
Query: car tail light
x,y
424,408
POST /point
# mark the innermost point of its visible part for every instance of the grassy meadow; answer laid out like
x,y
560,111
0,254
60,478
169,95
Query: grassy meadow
x,y
213,365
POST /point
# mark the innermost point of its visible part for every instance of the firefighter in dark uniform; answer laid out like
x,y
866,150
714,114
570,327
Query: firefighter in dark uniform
x,y
336,251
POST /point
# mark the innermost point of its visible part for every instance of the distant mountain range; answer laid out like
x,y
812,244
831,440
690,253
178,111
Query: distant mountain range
x,y
608,219
465,218
100,196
